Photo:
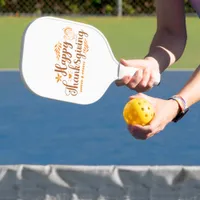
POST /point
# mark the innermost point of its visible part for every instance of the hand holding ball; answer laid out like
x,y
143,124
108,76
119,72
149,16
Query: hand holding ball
x,y
138,111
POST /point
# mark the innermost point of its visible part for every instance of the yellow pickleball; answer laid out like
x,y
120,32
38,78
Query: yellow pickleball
x,y
138,111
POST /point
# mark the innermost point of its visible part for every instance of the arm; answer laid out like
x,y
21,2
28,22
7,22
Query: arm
x,y
191,91
166,110
169,40
166,48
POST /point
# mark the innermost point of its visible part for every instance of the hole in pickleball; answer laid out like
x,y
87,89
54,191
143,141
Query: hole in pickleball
x,y
142,109
146,115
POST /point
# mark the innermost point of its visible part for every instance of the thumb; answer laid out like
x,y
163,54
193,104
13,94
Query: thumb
x,y
155,122
151,100
124,62
138,63
139,95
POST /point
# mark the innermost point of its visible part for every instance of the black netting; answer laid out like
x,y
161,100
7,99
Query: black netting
x,y
80,7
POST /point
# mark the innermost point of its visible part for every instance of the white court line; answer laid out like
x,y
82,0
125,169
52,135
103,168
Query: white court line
x,y
9,70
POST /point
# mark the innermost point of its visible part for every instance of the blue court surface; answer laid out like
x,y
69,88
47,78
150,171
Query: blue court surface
x,y
34,130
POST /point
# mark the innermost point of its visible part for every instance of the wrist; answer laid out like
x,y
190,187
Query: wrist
x,y
154,62
154,65
175,106
163,56
182,107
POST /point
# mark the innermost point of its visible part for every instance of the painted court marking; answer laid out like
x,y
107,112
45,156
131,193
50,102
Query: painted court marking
x,y
9,70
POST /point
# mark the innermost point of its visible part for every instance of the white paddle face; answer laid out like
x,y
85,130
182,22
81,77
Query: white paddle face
x,y
67,61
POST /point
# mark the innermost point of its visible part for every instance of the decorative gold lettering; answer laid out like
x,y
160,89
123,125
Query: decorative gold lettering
x,y
66,55
72,62
69,86
60,69
72,92
76,67
83,33
78,62
70,89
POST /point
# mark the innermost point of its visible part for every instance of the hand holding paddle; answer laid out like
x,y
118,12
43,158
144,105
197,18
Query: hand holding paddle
x,y
144,78
69,61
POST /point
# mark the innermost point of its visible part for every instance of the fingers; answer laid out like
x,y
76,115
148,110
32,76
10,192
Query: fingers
x,y
136,79
152,81
144,132
146,84
133,80
139,132
124,81
139,82
144,78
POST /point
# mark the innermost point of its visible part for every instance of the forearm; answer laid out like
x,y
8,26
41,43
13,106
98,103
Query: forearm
x,y
166,48
191,91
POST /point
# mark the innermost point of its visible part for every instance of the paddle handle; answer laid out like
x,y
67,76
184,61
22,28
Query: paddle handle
x,y
130,71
